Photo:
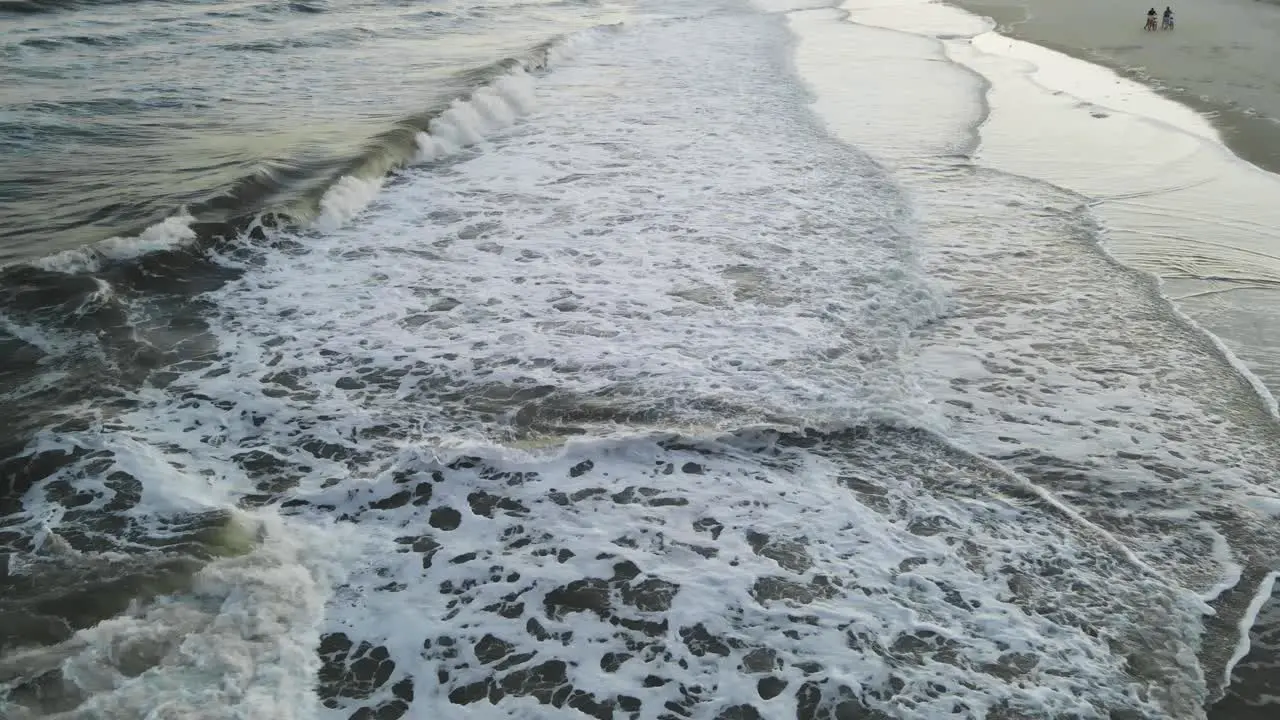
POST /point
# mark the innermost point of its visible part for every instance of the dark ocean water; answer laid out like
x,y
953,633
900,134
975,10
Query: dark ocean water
x,y
115,120
558,359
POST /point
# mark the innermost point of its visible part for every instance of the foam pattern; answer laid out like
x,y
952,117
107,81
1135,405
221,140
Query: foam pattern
x,y
756,574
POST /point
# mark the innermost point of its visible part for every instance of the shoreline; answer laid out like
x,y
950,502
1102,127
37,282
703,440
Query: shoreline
x,y
1236,695
1201,224
1178,201
1251,137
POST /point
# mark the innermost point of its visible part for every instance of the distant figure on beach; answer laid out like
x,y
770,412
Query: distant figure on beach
x,y
1167,22
1151,19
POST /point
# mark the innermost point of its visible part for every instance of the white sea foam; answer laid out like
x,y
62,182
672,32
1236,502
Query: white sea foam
x,y
344,200
1250,616
468,121
43,339
239,644
638,260
171,233
716,566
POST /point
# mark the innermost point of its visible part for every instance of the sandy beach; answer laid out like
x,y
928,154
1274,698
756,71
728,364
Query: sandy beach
x,y
1221,58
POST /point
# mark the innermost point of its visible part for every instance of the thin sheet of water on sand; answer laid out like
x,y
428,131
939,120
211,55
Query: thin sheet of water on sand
x,y
1175,202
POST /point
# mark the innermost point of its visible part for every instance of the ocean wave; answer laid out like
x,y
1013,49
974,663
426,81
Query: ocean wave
x,y
503,93
126,306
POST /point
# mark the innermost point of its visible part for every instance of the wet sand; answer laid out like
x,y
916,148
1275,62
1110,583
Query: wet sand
x,y
1223,58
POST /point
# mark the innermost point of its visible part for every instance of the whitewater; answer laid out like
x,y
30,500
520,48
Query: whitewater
x,y
718,363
